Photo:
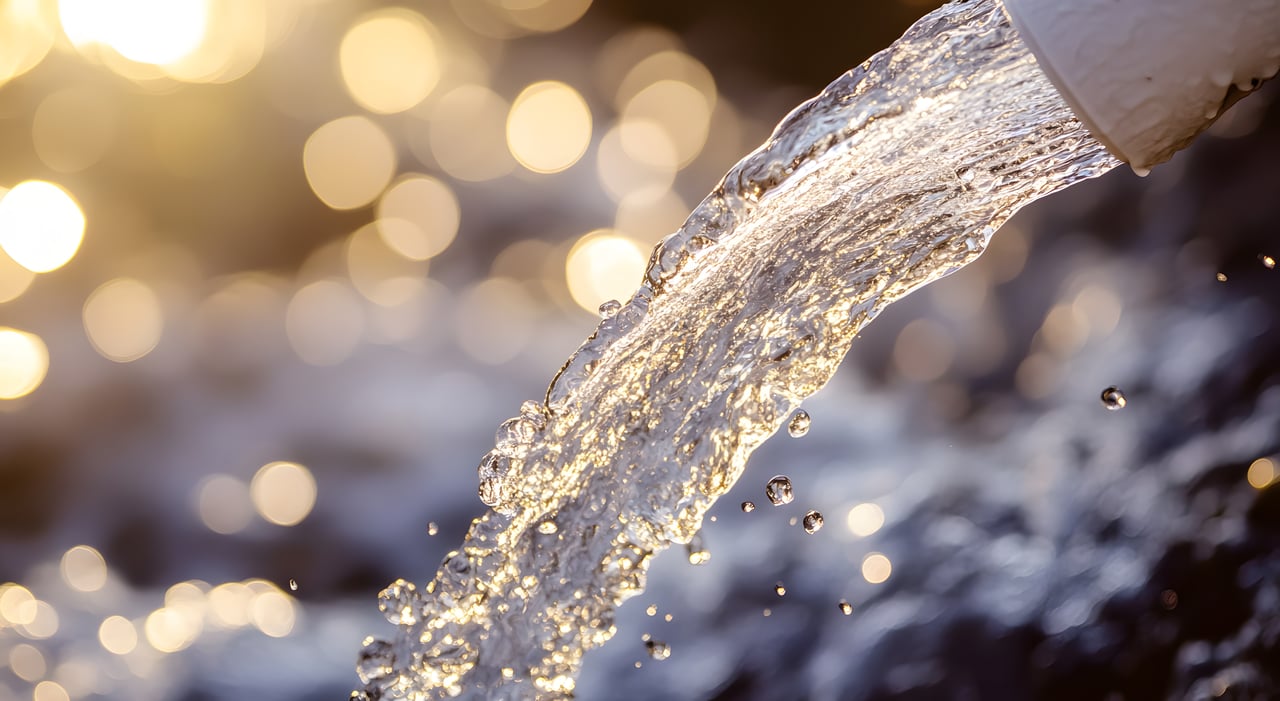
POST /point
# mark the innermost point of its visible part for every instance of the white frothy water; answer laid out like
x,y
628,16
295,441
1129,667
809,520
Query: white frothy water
x,y
896,175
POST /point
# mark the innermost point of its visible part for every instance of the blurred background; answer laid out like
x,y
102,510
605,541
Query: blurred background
x,y
272,272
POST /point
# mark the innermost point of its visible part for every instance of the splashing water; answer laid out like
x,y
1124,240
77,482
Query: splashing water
x,y
896,175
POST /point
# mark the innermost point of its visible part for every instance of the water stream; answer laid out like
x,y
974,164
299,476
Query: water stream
x,y
896,175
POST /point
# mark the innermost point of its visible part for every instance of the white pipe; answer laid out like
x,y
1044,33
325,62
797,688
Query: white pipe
x,y
1147,76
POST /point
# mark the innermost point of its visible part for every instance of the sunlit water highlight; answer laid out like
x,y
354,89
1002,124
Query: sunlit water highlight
x,y
896,175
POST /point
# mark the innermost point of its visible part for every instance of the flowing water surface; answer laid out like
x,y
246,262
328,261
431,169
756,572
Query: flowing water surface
x,y
896,175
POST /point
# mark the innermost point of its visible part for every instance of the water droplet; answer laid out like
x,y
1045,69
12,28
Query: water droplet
x,y
514,433
293,585
667,618
697,552
799,424
779,490
548,527
779,589
845,607
535,413
768,613
1222,277
432,528
399,603
1113,399
812,522
610,308
492,491
1267,262
376,660
652,610
657,650
748,507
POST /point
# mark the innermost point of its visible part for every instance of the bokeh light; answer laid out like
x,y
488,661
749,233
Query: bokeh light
x,y
670,65
168,630
14,279
41,225
544,15
923,351
389,61
549,127
635,156
17,604
24,360
230,604
680,110
325,321
348,162
876,568
1262,472
26,35
27,662
84,569
865,519
63,139
123,320
418,216
377,270
223,505
118,635
273,613
601,266
146,31
467,134
50,691
43,620
283,493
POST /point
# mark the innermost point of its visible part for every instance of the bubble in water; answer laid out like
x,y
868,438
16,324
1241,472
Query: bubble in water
x,y
399,603
812,522
432,528
548,527
293,585
779,589
845,607
376,660
799,424
610,308
658,650
1267,262
1113,399
748,507
779,490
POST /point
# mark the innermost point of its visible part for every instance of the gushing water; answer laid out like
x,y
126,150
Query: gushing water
x,y
896,175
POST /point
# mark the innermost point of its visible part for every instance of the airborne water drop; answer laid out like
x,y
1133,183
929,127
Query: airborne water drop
x,y
799,424
812,522
1113,399
779,490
